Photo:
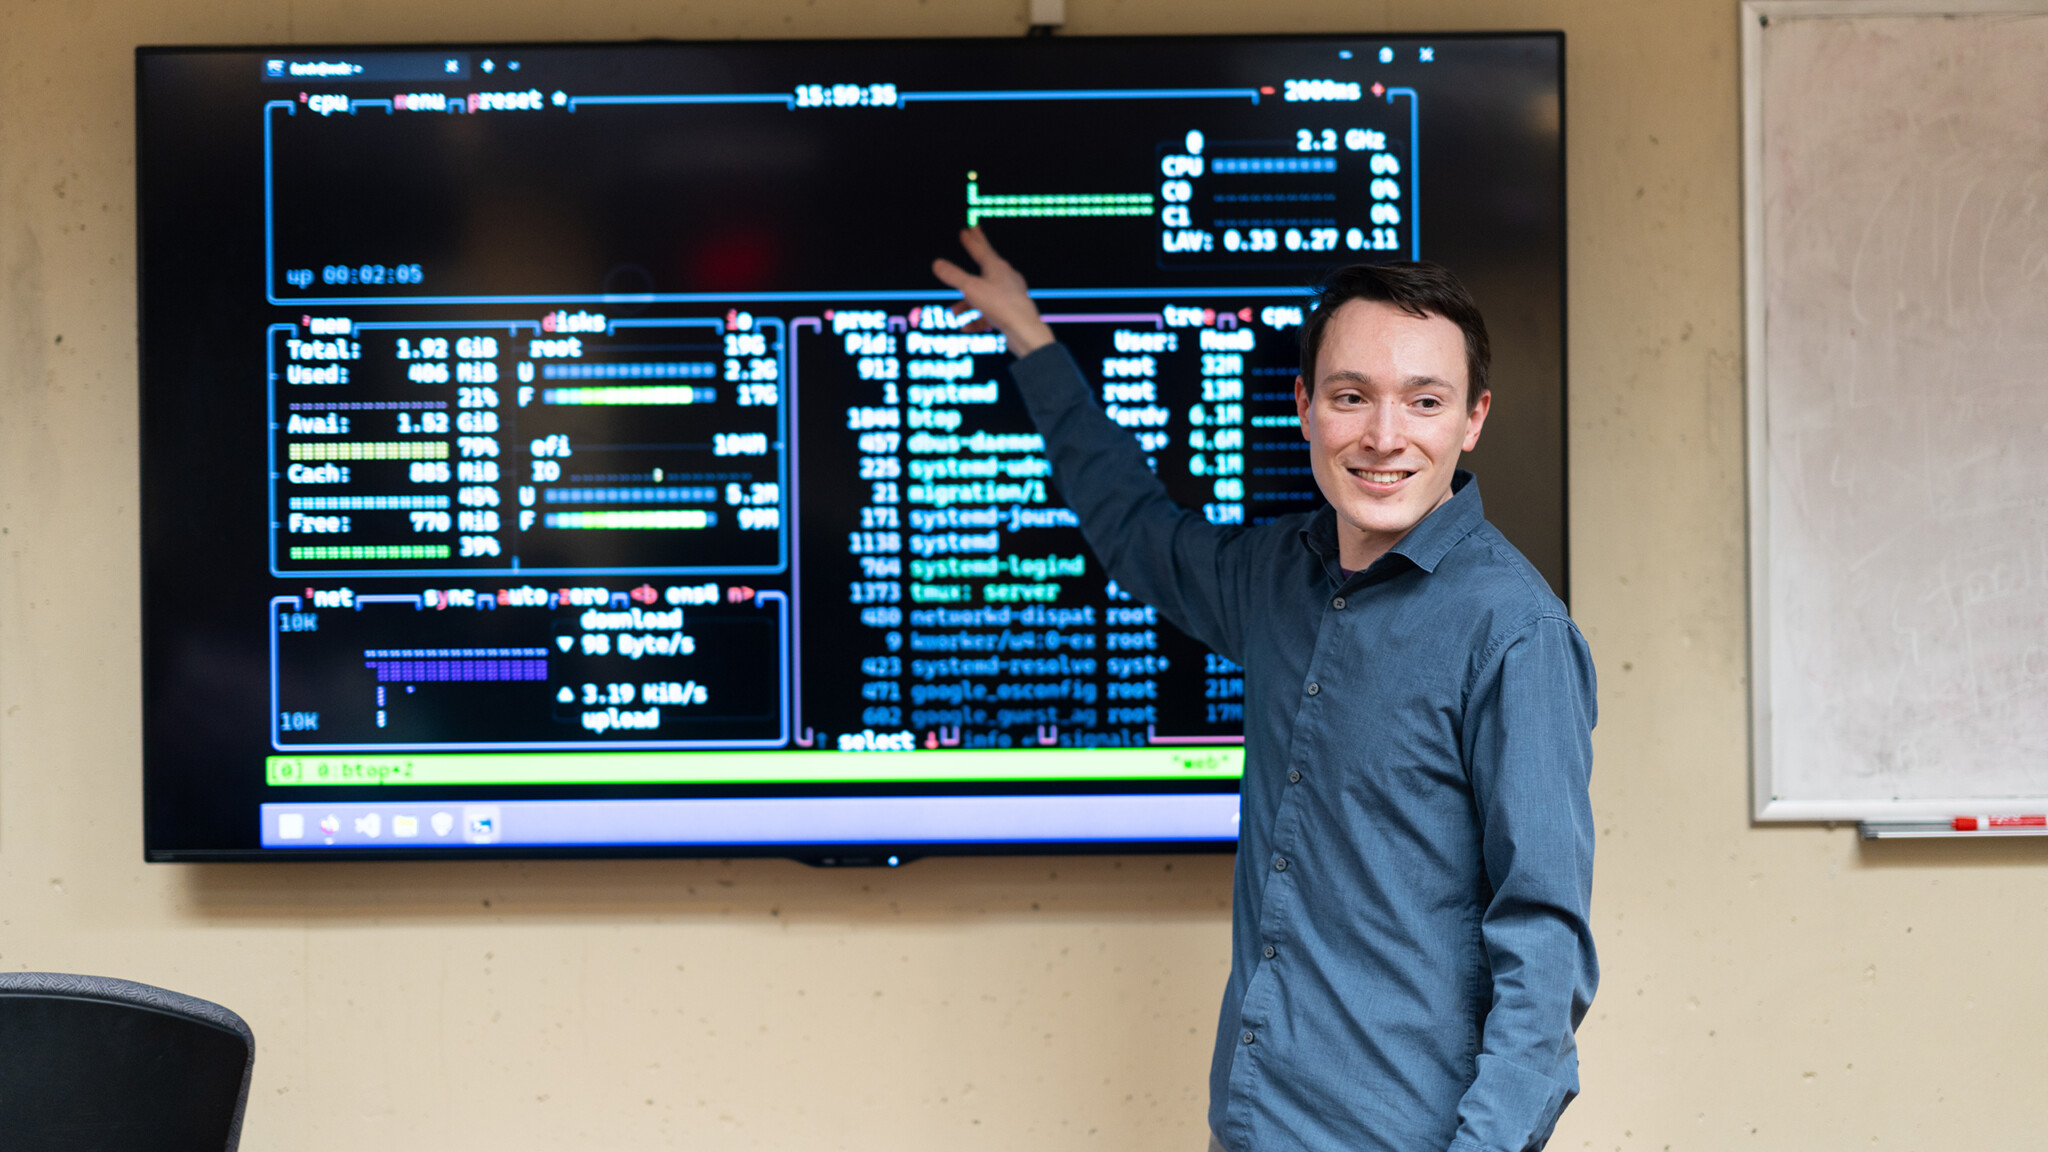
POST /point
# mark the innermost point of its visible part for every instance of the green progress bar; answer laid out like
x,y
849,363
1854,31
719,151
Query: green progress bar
x,y
980,207
630,394
683,518
371,450
1222,762
369,552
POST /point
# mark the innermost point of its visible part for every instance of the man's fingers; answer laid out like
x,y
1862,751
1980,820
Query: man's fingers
x,y
958,278
977,245
995,300
952,275
968,319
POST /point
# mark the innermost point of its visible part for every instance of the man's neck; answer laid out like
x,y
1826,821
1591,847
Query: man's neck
x,y
1356,551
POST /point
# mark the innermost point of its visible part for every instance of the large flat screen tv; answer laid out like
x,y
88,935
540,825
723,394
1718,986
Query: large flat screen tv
x,y
564,449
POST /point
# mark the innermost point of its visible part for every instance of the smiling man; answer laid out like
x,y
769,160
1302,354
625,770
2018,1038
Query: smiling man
x,y
1410,951
1385,417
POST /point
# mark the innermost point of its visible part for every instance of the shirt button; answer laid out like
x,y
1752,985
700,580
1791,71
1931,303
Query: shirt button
x,y
1294,776
1338,603
1248,1037
1280,865
1314,688
1271,951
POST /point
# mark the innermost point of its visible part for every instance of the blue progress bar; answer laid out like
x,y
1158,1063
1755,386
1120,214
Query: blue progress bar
x,y
368,503
1244,165
1251,94
783,98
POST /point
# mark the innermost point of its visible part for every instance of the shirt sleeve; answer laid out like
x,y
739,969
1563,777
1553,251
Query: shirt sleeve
x,y
1528,741
1164,554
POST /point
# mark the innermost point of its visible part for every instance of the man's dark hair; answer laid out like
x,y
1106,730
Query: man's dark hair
x,y
1420,289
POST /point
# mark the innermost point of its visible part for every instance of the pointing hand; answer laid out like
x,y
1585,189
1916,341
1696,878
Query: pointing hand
x,y
999,294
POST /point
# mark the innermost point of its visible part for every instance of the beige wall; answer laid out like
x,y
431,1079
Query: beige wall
x,y
1773,988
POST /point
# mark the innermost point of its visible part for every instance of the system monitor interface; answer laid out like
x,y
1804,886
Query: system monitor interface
x,y
567,450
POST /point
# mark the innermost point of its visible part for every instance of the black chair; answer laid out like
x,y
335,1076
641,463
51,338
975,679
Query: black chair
x,y
91,1064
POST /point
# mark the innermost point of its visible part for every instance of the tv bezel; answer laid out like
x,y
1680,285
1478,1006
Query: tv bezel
x,y
815,854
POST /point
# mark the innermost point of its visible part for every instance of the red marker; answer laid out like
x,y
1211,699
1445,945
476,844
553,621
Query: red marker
x,y
1998,823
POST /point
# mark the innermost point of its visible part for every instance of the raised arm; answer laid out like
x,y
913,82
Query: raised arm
x,y
1165,555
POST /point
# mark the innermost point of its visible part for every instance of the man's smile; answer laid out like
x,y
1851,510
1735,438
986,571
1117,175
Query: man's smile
x,y
1382,479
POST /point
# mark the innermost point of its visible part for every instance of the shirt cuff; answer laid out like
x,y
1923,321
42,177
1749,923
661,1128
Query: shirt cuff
x,y
1509,1105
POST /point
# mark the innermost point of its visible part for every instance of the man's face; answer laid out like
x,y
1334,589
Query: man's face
x,y
1386,422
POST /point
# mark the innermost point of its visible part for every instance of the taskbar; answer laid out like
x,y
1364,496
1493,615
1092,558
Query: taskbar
x,y
752,821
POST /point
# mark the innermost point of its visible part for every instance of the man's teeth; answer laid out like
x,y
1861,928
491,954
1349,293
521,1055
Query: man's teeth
x,y
1384,477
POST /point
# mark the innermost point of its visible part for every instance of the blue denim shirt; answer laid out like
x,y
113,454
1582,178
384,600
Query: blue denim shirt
x,y
1410,951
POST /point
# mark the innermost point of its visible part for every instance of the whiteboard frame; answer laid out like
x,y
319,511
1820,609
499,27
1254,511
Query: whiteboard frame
x,y
1765,805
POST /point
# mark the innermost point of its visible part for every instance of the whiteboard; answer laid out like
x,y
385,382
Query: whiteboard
x,y
1896,235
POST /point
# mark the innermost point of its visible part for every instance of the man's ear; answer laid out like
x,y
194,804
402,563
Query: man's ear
x,y
1301,400
1478,420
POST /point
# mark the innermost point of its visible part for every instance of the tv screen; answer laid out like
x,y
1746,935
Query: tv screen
x,y
566,449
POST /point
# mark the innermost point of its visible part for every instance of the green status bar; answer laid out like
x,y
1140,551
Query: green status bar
x,y
1204,762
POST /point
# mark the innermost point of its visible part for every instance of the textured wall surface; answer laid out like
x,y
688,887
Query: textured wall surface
x,y
1766,988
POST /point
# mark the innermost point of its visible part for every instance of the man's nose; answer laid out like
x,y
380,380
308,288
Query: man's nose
x,y
1384,430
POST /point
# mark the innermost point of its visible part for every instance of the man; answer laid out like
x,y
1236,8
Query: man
x,y
1410,948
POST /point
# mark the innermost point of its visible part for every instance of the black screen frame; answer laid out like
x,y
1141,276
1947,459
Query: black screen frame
x,y
168,808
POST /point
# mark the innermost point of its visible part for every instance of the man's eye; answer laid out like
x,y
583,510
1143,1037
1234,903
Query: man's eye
x,y
1428,403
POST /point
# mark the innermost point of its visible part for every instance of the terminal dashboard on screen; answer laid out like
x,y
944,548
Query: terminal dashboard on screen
x,y
567,450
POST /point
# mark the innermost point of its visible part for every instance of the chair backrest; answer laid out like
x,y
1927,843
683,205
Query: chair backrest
x,y
92,1064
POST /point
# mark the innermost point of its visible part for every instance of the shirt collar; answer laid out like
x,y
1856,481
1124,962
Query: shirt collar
x,y
1425,544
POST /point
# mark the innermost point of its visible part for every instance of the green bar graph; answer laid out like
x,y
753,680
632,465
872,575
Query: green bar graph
x,y
981,207
369,552
370,450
